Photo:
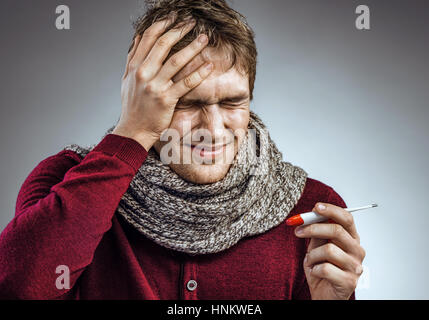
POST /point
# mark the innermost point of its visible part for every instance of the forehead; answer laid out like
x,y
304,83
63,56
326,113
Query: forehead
x,y
223,81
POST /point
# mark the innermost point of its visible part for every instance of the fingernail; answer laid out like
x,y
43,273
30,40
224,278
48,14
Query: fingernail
x,y
305,259
172,17
321,207
299,231
209,66
202,38
358,270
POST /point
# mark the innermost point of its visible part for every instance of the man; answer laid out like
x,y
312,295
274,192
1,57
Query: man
x,y
116,221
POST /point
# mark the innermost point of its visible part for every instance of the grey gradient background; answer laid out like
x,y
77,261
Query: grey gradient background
x,y
348,106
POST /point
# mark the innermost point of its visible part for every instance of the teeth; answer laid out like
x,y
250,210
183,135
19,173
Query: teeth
x,y
208,148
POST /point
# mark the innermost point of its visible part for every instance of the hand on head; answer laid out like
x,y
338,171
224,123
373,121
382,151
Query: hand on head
x,y
149,95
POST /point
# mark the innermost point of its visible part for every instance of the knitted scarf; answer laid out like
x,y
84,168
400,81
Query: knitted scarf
x,y
257,194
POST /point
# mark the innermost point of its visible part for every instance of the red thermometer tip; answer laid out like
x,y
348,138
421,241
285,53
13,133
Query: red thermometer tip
x,y
294,221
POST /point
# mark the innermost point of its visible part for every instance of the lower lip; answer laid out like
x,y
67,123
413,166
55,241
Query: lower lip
x,y
210,154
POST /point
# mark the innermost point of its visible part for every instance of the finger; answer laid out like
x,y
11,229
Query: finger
x,y
161,49
315,243
131,53
334,232
148,39
335,275
193,65
181,58
335,255
339,215
185,85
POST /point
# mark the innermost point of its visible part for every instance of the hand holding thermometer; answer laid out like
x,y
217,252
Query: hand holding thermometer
x,y
304,219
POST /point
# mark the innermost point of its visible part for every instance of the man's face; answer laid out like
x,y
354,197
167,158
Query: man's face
x,y
207,120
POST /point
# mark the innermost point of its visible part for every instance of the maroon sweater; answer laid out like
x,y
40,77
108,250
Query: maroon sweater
x,y
65,216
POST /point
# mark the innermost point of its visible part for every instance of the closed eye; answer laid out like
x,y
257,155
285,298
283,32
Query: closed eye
x,y
181,106
234,103
231,104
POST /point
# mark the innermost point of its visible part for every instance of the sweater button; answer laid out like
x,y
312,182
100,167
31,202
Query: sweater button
x,y
191,285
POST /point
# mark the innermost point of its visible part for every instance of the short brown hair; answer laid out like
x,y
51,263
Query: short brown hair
x,y
225,28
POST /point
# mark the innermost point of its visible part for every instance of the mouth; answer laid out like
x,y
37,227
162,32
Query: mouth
x,y
207,151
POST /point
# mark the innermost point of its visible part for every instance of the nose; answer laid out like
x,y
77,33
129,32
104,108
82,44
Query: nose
x,y
211,119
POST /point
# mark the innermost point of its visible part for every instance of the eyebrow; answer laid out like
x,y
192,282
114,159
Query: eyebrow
x,y
236,98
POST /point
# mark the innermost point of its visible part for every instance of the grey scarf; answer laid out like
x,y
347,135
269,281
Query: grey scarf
x,y
257,194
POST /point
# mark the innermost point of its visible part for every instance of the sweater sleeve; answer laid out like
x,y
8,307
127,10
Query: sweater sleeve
x,y
63,209
333,198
